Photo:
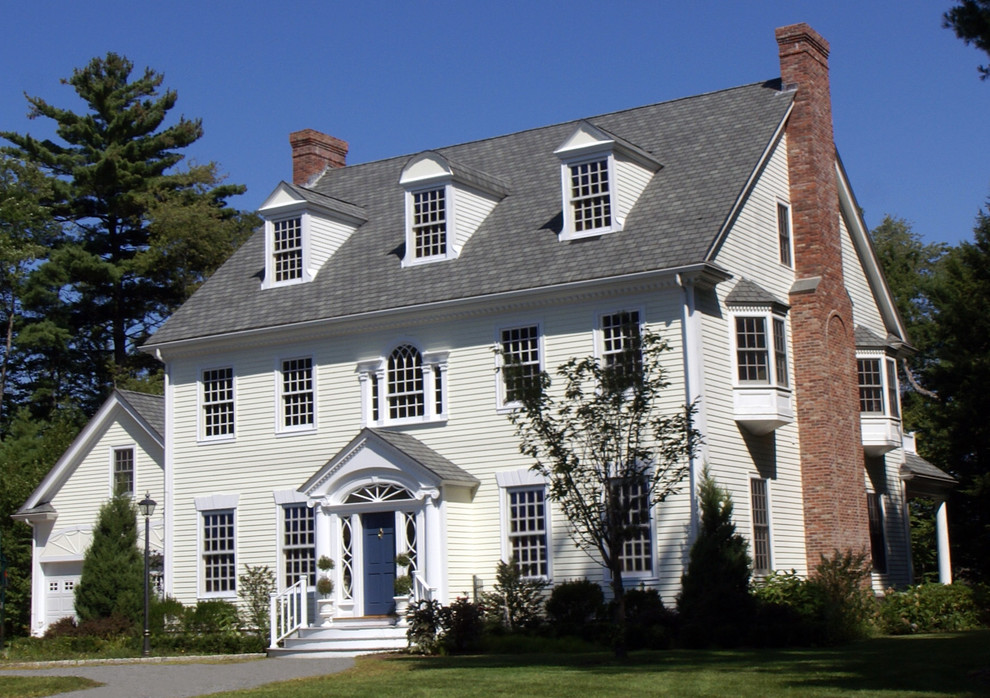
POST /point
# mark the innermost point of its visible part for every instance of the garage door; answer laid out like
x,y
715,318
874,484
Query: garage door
x,y
60,585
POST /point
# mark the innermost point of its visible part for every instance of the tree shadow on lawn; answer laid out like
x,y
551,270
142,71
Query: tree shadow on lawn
x,y
945,664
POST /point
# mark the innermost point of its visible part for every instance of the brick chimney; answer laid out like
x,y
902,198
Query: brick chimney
x,y
826,382
313,152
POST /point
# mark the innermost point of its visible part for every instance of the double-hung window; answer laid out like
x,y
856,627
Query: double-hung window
x,y
878,543
218,403
759,499
621,344
878,386
636,554
298,544
590,196
527,531
123,471
287,249
761,350
520,361
429,223
297,395
218,551
407,386
784,233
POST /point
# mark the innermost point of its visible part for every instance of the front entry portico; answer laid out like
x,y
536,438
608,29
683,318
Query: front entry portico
x,y
383,494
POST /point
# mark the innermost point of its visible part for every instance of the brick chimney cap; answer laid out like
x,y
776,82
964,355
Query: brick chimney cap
x,y
795,33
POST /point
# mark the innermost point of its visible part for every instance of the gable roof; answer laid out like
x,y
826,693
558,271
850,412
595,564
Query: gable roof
x,y
148,411
710,147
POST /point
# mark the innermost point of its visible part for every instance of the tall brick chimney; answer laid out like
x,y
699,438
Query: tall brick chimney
x,y
313,152
826,383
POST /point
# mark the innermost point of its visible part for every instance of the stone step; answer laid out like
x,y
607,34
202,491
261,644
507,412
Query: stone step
x,y
345,638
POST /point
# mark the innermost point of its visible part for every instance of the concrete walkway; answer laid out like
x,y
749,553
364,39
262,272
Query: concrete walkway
x,y
182,678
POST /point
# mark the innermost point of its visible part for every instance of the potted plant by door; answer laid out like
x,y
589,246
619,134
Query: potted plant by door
x,y
402,587
324,587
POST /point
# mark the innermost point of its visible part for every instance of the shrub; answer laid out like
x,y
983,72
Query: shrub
x,y
465,628
714,604
576,608
213,616
515,602
428,623
649,624
930,608
166,614
255,587
63,627
848,603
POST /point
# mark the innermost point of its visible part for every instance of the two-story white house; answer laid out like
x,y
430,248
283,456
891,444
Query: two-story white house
x,y
333,389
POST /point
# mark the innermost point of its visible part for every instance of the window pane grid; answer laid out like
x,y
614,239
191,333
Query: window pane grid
x,y
218,402
297,392
219,573
892,389
406,396
751,350
761,525
870,386
780,351
287,249
299,544
521,350
637,549
429,223
784,233
621,343
590,199
527,531
123,471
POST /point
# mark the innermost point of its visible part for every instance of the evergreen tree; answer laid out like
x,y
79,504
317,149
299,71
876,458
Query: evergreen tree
x,y
120,266
714,603
112,580
970,19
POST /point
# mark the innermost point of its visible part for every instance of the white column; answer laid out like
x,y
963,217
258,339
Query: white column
x,y
324,539
942,544
434,548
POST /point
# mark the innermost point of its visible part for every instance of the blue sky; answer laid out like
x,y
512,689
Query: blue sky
x,y
395,78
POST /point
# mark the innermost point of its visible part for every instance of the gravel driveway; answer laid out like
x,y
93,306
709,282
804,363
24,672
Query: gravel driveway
x,y
157,679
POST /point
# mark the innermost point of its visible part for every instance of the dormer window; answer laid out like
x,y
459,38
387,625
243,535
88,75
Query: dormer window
x,y
287,249
446,203
602,177
303,229
429,224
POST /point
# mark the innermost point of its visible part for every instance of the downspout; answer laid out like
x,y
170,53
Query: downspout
x,y
693,360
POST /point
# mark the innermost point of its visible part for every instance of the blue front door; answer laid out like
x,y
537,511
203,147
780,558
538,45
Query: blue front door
x,y
379,562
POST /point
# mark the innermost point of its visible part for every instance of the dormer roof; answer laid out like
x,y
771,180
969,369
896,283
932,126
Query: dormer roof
x,y
290,197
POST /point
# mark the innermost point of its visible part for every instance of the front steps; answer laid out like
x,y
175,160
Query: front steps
x,y
347,637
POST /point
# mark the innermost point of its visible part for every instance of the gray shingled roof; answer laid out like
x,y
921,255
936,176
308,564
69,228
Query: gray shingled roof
x,y
919,467
150,407
426,456
748,292
709,145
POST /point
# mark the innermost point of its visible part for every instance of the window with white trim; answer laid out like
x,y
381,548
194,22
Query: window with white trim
x,y
622,343
218,553
297,396
298,544
527,530
756,337
287,249
218,403
520,361
878,391
123,471
784,233
636,555
407,386
590,195
429,223
759,499
878,543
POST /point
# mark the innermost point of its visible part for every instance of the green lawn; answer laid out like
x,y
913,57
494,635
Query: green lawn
x,y
955,664
32,686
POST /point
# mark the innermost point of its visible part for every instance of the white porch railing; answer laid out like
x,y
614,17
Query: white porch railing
x,y
288,611
421,590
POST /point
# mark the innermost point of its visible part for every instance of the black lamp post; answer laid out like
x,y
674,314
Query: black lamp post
x,y
147,509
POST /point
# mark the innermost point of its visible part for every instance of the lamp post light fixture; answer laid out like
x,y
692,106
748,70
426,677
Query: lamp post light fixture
x,y
146,507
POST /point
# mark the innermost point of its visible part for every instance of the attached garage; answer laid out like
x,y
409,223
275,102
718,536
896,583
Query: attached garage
x,y
61,579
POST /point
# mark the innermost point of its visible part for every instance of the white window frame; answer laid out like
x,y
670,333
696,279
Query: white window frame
x,y
280,425
601,351
768,525
503,404
569,231
651,534
203,404
523,480
284,547
888,387
449,217
773,325
434,368
782,251
114,450
304,234
215,505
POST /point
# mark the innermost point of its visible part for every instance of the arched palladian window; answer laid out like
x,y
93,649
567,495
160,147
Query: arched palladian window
x,y
406,386
406,397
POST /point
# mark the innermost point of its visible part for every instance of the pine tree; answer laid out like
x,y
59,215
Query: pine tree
x,y
112,581
714,603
